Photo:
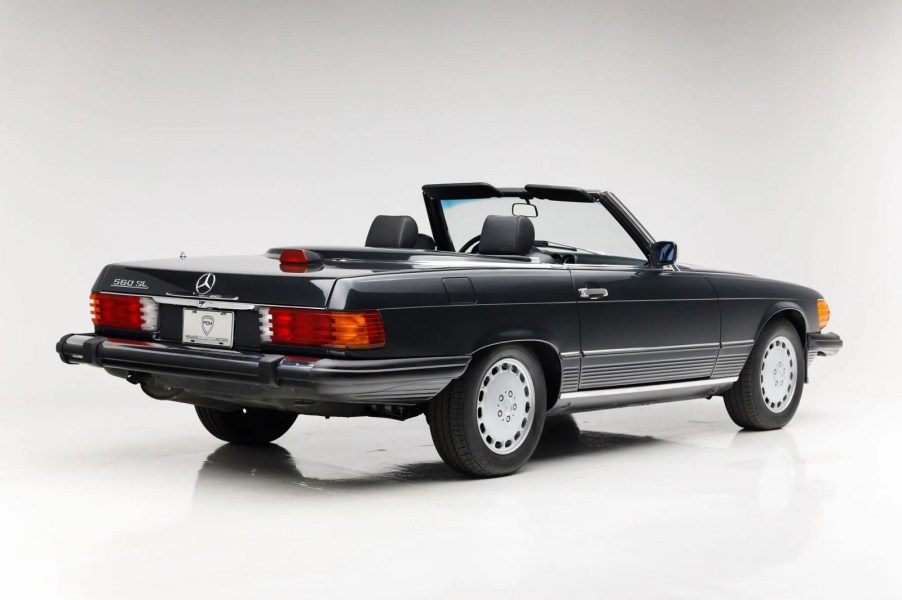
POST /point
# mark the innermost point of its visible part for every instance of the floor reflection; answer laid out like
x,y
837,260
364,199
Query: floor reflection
x,y
613,503
272,466
758,481
563,437
269,469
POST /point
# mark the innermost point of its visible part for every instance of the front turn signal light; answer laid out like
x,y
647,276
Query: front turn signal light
x,y
823,313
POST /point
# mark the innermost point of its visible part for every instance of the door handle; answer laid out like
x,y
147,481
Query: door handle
x,y
593,293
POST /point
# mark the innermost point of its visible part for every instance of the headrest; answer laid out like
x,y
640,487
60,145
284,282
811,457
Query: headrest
x,y
507,235
424,242
392,232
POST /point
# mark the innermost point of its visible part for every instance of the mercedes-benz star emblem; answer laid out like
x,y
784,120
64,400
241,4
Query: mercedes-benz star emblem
x,y
205,284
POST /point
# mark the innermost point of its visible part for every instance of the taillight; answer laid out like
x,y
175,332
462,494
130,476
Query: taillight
x,y
330,329
823,313
138,313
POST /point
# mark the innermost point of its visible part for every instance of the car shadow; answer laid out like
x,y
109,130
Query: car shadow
x,y
272,468
562,437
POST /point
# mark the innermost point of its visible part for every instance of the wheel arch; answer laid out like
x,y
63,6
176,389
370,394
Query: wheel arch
x,y
549,358
790,311
794,314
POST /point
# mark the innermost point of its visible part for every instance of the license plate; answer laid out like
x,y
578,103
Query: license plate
x,y
208,327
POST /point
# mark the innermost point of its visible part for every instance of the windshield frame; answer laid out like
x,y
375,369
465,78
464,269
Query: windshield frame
x,y
434,194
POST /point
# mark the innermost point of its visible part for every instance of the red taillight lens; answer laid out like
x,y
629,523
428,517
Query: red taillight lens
x,y
331,329
137,313
293,257
297,257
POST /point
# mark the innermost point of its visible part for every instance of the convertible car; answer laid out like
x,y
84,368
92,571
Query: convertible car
x,y
524,303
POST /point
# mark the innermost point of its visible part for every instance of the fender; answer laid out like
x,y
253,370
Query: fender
x,y
783,306
796,310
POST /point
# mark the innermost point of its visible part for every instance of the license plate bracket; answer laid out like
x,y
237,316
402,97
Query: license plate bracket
x,y
208,327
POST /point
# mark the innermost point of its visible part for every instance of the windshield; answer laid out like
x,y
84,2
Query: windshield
x,y
578,227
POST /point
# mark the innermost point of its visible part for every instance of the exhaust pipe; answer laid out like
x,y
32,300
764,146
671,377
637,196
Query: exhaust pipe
x,y
157,390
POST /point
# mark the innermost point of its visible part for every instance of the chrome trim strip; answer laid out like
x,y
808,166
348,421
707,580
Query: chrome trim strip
x,y
600,267
739,343
642,389
192,296
204,303
571,354
666,300
650,349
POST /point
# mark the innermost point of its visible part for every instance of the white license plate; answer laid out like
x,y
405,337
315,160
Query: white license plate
x,y
208,327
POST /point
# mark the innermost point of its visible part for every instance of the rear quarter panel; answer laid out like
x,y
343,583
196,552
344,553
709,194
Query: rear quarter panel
x,y
420,318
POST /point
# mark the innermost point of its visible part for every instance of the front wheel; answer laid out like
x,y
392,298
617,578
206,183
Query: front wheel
x,y
488,422
769,388
248,426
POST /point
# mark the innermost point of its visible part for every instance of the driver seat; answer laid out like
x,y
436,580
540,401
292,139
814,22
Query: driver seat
x,y
510,236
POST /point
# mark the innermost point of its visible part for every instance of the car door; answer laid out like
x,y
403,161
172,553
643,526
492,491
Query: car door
x,y
644,325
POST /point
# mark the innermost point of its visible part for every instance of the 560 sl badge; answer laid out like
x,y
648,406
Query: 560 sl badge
x,y
130,283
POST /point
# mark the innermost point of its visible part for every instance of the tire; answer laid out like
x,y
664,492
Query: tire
x,y
463,417
246,426
769,388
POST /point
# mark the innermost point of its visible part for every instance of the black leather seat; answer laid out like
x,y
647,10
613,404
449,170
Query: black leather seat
x,y
390,231
510,236
424,242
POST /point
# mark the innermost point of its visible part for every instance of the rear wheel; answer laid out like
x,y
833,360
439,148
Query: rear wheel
x,y
769,388
488,422
249,426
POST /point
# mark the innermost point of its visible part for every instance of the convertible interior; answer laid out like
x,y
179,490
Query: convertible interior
x,y
501,236
397,231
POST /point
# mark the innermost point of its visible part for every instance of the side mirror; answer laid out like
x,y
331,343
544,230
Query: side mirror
x,y
663,253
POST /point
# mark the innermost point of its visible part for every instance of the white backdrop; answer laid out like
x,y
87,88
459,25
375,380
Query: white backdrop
x,y
763,137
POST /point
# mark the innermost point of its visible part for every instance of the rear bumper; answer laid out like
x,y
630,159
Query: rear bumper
x,y
402,380
823,344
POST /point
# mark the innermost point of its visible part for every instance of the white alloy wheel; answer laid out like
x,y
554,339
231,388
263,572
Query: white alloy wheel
x,y
506,406
779,374
488,422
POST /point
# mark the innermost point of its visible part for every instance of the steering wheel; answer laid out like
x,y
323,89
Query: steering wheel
x,y
474,242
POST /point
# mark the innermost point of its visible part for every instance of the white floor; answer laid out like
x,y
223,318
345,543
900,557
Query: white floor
x,y
108,494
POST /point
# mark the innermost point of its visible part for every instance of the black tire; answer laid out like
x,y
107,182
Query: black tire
x,y
452,417
746,402
247,426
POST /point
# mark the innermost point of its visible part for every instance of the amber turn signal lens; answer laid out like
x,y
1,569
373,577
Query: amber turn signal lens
x,y
120,311
330,329
823,313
